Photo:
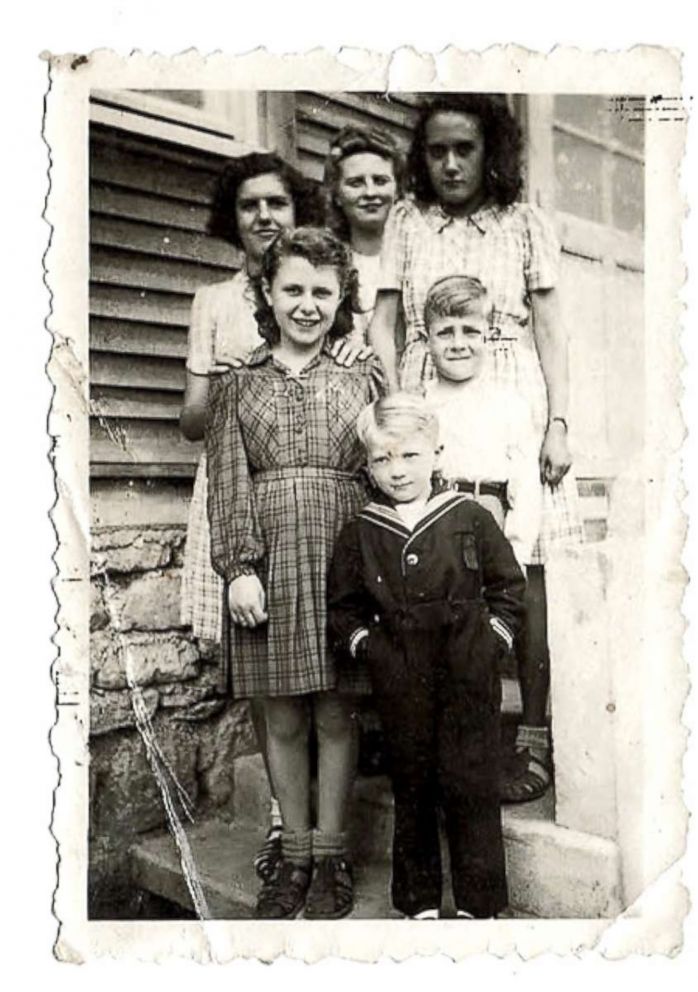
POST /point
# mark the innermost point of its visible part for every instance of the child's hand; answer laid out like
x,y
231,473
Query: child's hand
x,y
247,601
555,458
346,354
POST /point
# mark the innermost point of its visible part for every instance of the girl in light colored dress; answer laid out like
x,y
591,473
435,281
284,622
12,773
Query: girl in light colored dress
x,y
364,175
464,175
284,476
257,196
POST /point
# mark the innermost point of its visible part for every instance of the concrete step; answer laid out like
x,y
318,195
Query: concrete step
x,y
553,872
223,855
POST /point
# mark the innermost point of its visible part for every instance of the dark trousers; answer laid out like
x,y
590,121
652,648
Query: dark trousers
x,y
442,739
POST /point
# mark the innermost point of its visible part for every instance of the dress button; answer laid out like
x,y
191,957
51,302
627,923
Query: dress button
x,y
412,559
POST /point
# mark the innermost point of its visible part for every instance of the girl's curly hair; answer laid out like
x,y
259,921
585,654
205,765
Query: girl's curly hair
x,y
305,194
502,165
355,140
321,248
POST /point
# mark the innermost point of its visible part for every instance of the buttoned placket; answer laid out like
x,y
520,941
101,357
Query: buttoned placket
x,y
300,422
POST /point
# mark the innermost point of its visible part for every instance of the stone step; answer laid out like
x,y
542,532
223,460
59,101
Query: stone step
x,y
552,871
223,855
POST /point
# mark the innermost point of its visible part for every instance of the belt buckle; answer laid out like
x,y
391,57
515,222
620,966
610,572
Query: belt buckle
x,y
476,490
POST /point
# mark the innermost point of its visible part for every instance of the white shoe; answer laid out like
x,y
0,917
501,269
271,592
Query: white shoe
x,y
426,914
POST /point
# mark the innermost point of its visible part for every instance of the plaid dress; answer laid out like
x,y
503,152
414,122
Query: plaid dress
x,y
222,326
512,251
284,477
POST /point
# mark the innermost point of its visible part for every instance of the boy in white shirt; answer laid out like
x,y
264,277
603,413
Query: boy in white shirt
x,y
491,451
490,446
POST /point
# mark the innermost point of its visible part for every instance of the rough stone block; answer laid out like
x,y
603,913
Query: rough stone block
x,y
113,709
151,659
150,602
125,797
252,793
134,549
99,618
222,740
205,687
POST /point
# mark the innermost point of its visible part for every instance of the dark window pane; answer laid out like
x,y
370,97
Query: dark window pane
x,y
577,176
628,194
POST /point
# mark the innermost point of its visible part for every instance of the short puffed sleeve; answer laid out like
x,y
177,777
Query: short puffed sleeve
x,y
394,247
542,258
202,330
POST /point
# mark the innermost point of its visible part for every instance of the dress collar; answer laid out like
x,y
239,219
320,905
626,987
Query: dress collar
x,y
483,218
263,354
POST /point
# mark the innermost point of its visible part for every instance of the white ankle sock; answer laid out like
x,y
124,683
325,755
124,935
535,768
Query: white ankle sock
x,y
275,820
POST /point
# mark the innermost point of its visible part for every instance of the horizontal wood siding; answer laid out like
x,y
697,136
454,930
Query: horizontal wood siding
x,y
149,251
320,115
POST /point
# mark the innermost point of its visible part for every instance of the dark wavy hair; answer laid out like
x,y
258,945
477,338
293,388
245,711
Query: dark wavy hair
x,y
502,165
305,194
355,140
319,247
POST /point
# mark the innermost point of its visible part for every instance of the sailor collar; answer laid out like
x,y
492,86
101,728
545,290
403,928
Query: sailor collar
x,y
384,514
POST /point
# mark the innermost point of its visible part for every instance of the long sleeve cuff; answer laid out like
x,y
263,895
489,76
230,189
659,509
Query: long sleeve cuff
x,y
501,629
241,568
356,638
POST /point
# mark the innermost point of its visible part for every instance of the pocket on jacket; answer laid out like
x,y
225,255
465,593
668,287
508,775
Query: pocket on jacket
x,y
474,654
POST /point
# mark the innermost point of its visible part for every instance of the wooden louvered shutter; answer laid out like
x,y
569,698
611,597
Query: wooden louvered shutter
x,y
149,251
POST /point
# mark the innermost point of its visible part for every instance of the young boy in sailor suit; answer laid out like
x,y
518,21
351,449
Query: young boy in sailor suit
x,y
425,587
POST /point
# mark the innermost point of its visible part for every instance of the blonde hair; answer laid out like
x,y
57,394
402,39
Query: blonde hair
x,y
398,415
454,296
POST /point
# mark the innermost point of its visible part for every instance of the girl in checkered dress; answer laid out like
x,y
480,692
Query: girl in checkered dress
x,y
463,219
256,196
283,478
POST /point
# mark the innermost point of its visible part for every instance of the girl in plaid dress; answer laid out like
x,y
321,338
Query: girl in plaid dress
x,y
283,478
464,173
257,195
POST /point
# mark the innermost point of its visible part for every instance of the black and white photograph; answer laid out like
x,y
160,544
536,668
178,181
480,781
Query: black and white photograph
x,y
376,442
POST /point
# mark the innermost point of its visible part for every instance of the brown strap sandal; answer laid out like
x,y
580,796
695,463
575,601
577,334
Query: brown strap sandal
x,y
524,778
331,893
283,894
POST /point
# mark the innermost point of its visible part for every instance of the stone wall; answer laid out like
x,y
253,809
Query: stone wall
x,y
141,654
